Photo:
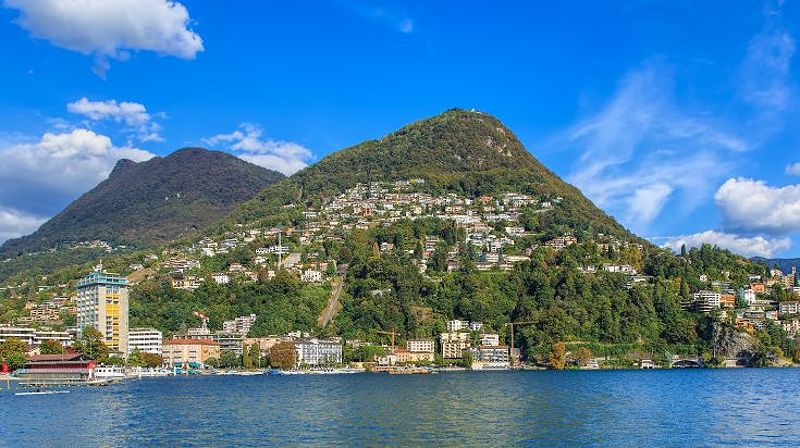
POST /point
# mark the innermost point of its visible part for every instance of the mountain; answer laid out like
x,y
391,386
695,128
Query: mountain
x,y
784,264
152,202
458,151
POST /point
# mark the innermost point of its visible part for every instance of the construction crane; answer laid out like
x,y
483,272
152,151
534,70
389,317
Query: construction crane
x,y
390,333
511,324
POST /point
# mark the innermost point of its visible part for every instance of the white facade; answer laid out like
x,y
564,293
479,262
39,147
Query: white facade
x,y
421,345
25,334
221,279
792,307
318,352
455,325
311,276
146,340
454,344
490,339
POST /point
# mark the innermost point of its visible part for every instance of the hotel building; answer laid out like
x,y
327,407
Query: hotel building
x,y
103,304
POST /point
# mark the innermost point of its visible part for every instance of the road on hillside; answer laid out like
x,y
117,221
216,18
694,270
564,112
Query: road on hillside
x,y
334,305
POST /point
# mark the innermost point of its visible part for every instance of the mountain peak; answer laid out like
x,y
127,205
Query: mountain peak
x,y
152,202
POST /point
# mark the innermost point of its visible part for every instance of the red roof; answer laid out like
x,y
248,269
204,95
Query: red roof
x,y
46,358
187,341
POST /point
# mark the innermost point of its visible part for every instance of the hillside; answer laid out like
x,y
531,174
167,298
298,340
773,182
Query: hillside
x,y
463,152
152,202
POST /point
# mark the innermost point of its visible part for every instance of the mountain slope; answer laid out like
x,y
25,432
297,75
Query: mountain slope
x,y
152,202
458,151
784,264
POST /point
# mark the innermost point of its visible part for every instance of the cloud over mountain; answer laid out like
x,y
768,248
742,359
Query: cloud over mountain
x,y
248,143
40,177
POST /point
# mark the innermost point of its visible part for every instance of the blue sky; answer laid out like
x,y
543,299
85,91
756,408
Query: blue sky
x,y
678,118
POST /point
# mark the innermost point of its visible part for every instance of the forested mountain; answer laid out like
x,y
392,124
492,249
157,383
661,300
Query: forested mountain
x,y
152,202
463,152
784,264
447,218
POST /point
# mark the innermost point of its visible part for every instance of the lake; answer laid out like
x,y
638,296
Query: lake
x,y
741,407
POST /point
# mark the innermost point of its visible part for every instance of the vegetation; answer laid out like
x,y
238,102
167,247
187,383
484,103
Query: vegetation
x,y
91,344
13,353
149,203
283,356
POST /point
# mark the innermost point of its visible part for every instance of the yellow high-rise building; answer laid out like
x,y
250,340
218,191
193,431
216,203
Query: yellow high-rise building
x,y
103,304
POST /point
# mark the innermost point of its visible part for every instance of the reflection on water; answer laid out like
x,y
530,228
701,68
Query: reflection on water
x,y
633,408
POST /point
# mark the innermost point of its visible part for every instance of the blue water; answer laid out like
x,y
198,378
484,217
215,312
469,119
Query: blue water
x,y
577,408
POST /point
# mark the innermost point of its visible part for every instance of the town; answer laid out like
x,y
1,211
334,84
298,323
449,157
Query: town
x,y
494,234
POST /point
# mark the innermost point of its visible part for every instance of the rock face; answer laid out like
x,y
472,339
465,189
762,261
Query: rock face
x,y
148,203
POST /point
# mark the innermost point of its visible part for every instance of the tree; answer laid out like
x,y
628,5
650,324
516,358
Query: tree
x,y
255,355
91,344
150,359
51,347
558,356
228,359
466,359
283,356
14,353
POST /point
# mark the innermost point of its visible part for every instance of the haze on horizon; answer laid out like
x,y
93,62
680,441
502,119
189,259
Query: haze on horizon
x,y
674,117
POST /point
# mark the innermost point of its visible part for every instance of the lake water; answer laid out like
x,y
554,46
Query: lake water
x,y
743,407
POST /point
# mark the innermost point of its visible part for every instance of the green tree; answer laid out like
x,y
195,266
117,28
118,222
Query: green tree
x,y
51,347
14,353
91,344
255,355
228,359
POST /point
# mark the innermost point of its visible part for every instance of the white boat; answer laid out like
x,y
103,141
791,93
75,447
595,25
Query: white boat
x,y
43,392
109,372
139,372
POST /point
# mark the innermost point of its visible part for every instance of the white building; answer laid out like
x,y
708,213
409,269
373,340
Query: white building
x,y
311,276
475,326
455,325
792,307
221,279
146,340
318,352
705,301
491,339
62,337
421,345
25,334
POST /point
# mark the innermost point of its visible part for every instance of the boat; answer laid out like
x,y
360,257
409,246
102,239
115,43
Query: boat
x,y
109,372
139,372
42,392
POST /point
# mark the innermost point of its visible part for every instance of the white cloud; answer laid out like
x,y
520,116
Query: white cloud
x,y
641,150
133,115
110,29
39,178
747,246
793,169
753,206
247,143
14,223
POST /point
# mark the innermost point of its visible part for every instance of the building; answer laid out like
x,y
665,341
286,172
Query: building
x,y
62,337
25,334
703,301
232,342
317,352
189,351
67,368
490,339
421,345
454,344
475,326
240,325
455,325
490,356
791,307
146,340
103,304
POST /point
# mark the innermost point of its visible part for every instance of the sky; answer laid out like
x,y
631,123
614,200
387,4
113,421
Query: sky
x,y
678,118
